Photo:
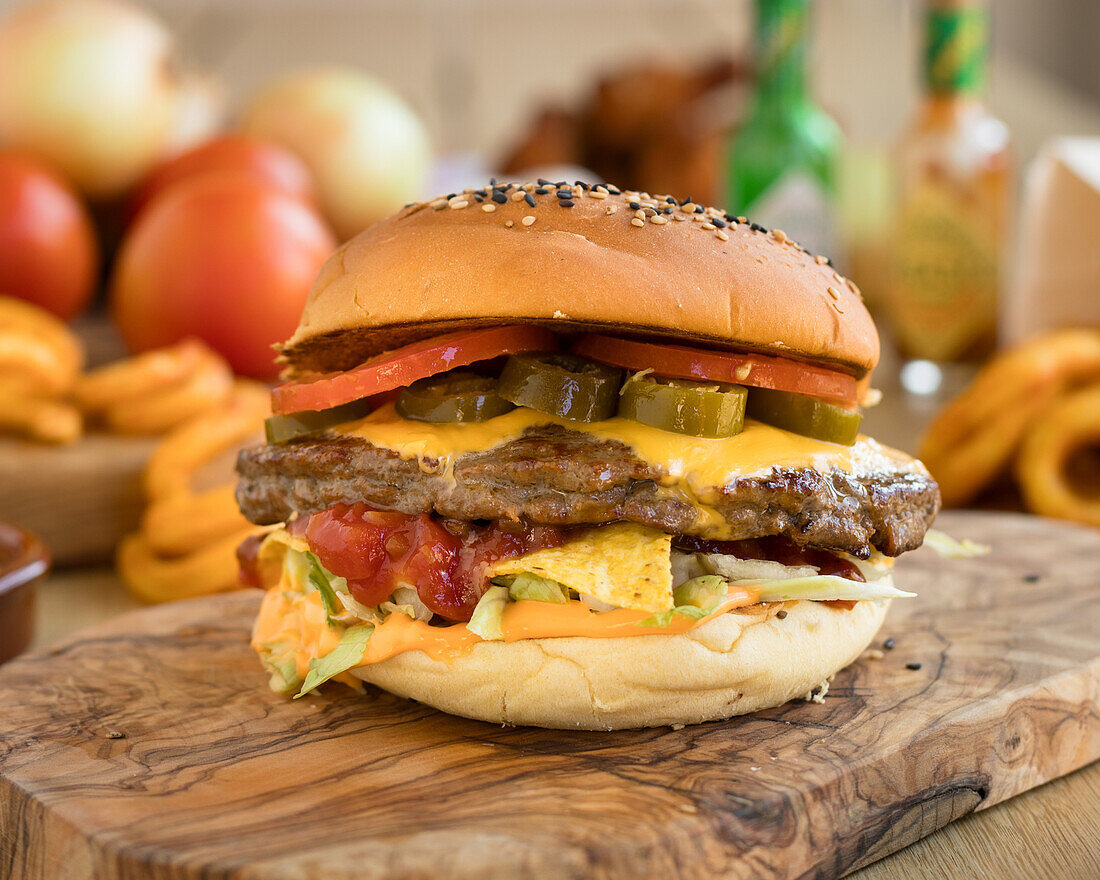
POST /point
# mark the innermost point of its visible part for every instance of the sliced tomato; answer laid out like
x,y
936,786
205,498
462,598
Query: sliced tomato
x,y
403,366
378,551
758,370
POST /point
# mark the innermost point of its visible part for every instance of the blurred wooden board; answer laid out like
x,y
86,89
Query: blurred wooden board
x,y
217,777
79,499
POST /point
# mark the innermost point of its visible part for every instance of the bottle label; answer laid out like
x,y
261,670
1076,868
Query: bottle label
x,y
800,206
957,40
944,276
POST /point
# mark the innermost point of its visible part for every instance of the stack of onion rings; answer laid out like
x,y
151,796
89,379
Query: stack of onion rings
x,y
154,392
1024,413
39,362
187,541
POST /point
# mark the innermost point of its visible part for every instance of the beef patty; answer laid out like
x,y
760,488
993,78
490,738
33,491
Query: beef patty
x,y
560,477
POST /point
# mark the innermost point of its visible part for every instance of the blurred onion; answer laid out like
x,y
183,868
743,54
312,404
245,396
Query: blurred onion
x,y
88,85
367,149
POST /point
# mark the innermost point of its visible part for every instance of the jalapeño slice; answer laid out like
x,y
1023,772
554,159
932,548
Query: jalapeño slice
x,y
563,385
452,397
283,428
685,407
805,415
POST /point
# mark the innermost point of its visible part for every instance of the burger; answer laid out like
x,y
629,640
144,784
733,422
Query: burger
x,y
576,457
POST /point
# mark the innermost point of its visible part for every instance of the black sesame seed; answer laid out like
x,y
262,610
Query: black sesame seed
x,y
687,201
889,644
566,203
614,190
670,200
756,227
781,614
408,205
912,666
668,209
499,197
721,224
450,196
1031,578
542,181
564,193
480,192
634,206
581,184
542,190
699,209
530,199
492,181
478,198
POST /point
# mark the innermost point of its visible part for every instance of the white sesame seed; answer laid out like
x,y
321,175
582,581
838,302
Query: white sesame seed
x,y
742,372
509,223
679,217
488,207
518,195
640,214
779,235
459,203
596,194
528,220
709,226
439,203
820,260
721,233
689,208
637,222
611,209
659,219
832,292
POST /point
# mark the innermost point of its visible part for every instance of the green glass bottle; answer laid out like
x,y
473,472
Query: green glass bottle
x,y
781,166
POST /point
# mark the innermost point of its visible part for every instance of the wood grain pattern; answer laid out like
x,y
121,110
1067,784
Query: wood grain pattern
x,y
218,778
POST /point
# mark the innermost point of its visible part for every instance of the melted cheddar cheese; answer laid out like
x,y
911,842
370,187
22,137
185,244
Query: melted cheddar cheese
x,y
695,464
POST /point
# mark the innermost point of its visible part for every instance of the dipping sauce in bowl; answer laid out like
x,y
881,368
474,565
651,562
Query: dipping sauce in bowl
x,y
23,560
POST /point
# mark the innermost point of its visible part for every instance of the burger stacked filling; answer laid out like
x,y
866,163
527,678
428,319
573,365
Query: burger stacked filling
x,y
509,483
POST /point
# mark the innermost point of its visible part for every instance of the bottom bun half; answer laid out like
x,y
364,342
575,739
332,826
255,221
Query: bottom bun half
x,y
745,660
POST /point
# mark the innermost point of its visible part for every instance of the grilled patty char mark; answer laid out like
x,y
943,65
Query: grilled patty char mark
x,y
556,476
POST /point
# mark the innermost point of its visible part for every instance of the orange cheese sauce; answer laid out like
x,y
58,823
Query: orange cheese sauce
x,y
300,625
697,463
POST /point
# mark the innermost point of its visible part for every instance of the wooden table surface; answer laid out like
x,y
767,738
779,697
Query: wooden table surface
x,y
1052,832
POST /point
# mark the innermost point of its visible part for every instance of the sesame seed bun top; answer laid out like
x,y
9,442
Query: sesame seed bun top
x,y
578,259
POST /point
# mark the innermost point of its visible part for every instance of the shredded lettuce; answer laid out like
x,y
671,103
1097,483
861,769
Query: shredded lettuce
x,y
825,587
704,592
488,615
947,547
278,659
538,589
352,647
321,580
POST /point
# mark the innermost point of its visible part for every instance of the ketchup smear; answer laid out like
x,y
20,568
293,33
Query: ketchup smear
x,y
378,551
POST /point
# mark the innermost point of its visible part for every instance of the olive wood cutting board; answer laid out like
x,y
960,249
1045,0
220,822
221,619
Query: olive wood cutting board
x,y
150,747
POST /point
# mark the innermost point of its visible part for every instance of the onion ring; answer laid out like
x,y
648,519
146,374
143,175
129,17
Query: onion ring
x,y
974,437
1069,426
209,384
151,578
46,421
190,446
141,376
183,524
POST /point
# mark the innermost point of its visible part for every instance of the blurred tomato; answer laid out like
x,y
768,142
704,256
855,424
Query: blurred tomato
x,y
264,160
222,257
48,253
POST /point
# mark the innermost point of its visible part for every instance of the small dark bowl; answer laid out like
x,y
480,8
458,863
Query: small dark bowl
x,y
23,561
